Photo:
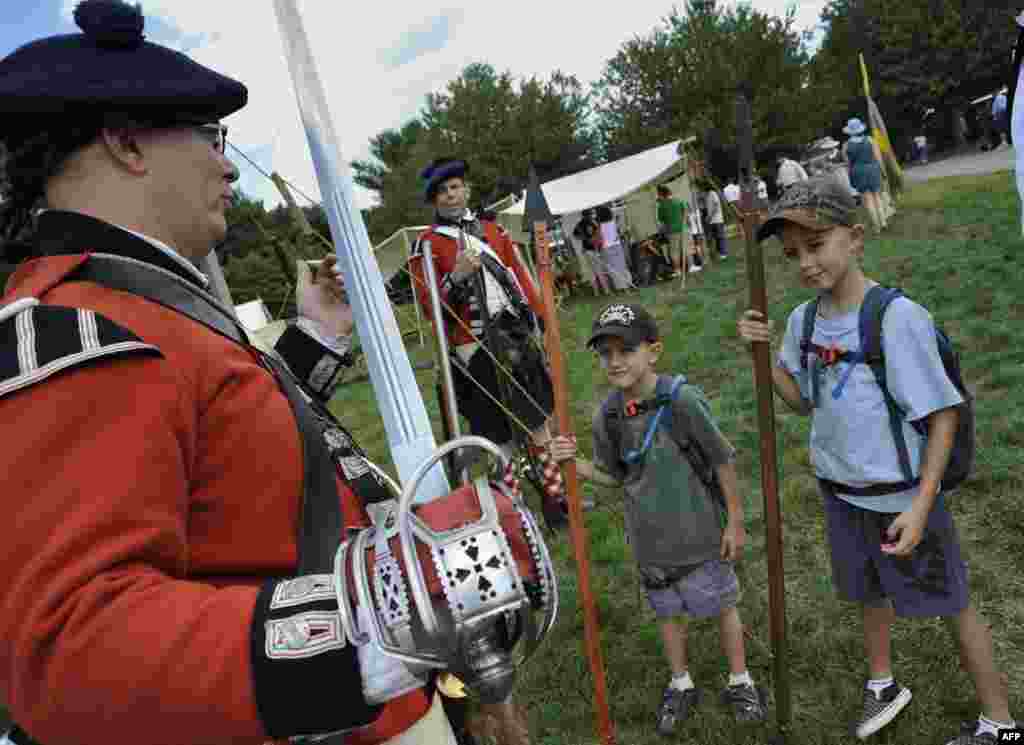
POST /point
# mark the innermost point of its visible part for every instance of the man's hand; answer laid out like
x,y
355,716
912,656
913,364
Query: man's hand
x,y
562,448
905,532
466,263
733,539
321,297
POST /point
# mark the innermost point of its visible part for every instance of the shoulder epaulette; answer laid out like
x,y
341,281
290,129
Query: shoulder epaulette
x,y
37,341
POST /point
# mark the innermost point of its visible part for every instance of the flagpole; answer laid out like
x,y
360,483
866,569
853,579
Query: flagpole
x,y
766,425
553,342
410,436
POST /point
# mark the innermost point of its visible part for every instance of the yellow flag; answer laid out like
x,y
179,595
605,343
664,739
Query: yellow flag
x,y
878,129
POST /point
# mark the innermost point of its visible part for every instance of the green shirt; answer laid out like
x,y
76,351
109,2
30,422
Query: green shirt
x,y
671,214
671,519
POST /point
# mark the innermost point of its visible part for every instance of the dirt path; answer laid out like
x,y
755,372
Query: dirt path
x,y
974,164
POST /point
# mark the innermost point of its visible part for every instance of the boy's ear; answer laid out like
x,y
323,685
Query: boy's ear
x,y
857,236
657,348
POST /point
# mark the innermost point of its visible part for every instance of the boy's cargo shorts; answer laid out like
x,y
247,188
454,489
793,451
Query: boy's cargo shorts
x,y
705,590
931,581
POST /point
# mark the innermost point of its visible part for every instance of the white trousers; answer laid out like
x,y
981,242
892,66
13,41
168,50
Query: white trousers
x,y
432,729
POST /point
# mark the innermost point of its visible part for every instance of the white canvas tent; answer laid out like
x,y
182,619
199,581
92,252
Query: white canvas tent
x,y
629,182
607,183
392,252
254,315
263,330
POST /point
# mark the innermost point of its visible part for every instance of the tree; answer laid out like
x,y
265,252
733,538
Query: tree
x,y
252,266
683,77
391,148
500,125
921,55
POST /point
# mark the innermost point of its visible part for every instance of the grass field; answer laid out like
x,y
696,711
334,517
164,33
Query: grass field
x,y
953,247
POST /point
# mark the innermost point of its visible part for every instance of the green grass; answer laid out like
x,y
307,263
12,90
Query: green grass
x,y
953,247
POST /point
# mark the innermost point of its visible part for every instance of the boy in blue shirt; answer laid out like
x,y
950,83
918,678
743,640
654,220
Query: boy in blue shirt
x,y
673,521
893,550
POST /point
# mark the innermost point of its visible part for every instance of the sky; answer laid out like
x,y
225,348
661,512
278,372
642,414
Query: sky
x,y
377,60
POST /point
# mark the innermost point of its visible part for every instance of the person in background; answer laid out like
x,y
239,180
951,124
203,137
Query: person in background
x,y
490,323
614,252
762,190
866,170
672,218
732,192
1000,120
790,172
587,233
716,223
920,154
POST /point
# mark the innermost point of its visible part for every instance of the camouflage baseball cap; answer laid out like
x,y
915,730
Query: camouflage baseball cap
x,y
818,204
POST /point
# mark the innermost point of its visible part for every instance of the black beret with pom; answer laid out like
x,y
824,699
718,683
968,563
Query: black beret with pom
x,y
440,171
109,68
111,23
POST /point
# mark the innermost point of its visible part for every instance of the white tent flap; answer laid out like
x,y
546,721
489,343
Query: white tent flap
x,y
605,183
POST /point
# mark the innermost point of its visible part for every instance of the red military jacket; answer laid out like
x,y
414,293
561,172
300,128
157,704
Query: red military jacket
x,y
445,250
148,497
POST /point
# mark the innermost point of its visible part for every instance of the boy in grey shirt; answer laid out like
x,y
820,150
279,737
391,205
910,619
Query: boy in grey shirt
x,y
893,545
674,522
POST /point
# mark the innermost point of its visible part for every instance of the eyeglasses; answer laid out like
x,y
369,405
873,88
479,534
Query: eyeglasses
x,y
215,134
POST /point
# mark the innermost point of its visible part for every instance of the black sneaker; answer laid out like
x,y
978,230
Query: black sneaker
x,y
967,736
749,704
675,707
881,709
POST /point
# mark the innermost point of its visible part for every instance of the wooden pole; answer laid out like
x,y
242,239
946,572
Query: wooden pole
x,y
591,630
298,216
766,424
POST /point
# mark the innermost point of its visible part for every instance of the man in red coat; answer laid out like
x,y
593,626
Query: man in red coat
x,y
176,496
491,306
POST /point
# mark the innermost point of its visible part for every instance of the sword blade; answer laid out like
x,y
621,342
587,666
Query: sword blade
x,y
406,422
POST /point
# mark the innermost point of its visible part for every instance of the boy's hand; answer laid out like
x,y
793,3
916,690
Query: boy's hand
x,y
905,532
733,539
753,327
562,448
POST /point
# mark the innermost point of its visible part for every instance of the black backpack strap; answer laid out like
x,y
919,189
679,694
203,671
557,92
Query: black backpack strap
x,y
612,413
807,331
320,529
872,313
810,313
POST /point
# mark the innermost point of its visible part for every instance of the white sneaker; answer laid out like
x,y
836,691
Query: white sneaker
x,y
695,269
881,709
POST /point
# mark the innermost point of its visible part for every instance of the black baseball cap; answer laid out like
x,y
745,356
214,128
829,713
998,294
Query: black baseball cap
x,y
631,323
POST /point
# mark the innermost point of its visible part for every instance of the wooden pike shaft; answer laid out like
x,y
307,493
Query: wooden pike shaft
x,y
591,629
769,469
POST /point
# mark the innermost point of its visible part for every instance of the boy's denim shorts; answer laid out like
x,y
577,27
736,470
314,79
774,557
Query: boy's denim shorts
x,y
931,581
704,591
